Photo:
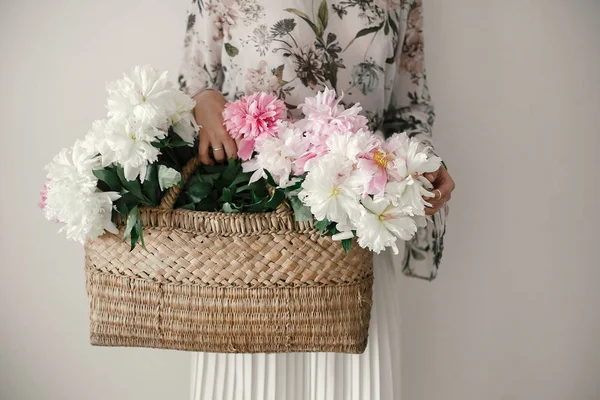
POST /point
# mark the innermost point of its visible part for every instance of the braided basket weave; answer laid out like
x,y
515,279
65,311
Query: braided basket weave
x,y
229,283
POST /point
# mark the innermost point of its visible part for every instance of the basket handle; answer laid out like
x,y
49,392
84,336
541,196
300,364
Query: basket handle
x,y
171,195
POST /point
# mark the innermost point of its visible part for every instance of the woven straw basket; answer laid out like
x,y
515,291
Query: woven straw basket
x,y
229,283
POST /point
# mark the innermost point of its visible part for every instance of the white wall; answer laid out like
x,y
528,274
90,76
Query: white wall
x,y
514,313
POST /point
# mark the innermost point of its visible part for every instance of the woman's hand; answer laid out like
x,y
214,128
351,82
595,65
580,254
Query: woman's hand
x,y
443,185
212,133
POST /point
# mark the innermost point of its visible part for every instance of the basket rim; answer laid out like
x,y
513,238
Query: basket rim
x,y
219,222
286,213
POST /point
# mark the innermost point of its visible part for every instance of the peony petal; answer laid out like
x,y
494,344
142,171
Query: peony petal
x,y
343,235
245,148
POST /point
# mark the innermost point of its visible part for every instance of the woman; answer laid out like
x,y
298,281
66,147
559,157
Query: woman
x,y
372,51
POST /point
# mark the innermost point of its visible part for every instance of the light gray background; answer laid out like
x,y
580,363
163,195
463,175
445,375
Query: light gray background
x,y
514,313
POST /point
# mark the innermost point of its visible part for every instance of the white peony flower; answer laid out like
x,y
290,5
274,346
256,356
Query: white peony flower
x,y
332,190
182,118
95,140
75,164
72,197
277,154
144,95
351,145
383,224
407,184
130,145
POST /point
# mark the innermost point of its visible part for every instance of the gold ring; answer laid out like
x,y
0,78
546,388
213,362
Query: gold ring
x,y
217,148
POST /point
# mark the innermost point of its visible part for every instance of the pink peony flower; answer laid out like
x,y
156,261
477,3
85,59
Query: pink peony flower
x,y
253,117
380,164
376,165
324,116
43,196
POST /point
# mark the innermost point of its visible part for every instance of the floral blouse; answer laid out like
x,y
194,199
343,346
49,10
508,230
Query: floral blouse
x,y
369,50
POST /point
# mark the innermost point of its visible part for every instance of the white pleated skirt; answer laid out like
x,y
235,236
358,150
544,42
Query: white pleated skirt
x,y
372,375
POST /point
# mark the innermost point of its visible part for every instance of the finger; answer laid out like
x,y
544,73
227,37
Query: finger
x,y
436,206
434,194
230,148
218,152
434,203
432,176
203,150
446,180
445,187
431,210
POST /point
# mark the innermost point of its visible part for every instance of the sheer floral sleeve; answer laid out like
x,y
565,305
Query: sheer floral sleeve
x,y
411,110
201,66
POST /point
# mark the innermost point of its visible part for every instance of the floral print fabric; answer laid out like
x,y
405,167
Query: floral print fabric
x,y
369,50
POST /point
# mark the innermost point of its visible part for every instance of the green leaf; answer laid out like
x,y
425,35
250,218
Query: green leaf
x,y
198,191
167,177
260,188
132,219
139,233
232,169
270,179
294,189
212,169
326,227
133,187
276,199
256,207
227,195
322,15
108,176
178,143
208,204
189,206
121,207
301,211
242,177
305,17
134,238
229,208
129,200
322,225
150,186
364,32
206,178
231,50
346,244
243,188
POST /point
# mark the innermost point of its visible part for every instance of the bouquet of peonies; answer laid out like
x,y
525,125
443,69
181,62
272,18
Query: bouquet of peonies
x,y
330,168
333,170
125,161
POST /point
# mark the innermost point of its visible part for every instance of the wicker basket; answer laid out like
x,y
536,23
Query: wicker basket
x,y
229,283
